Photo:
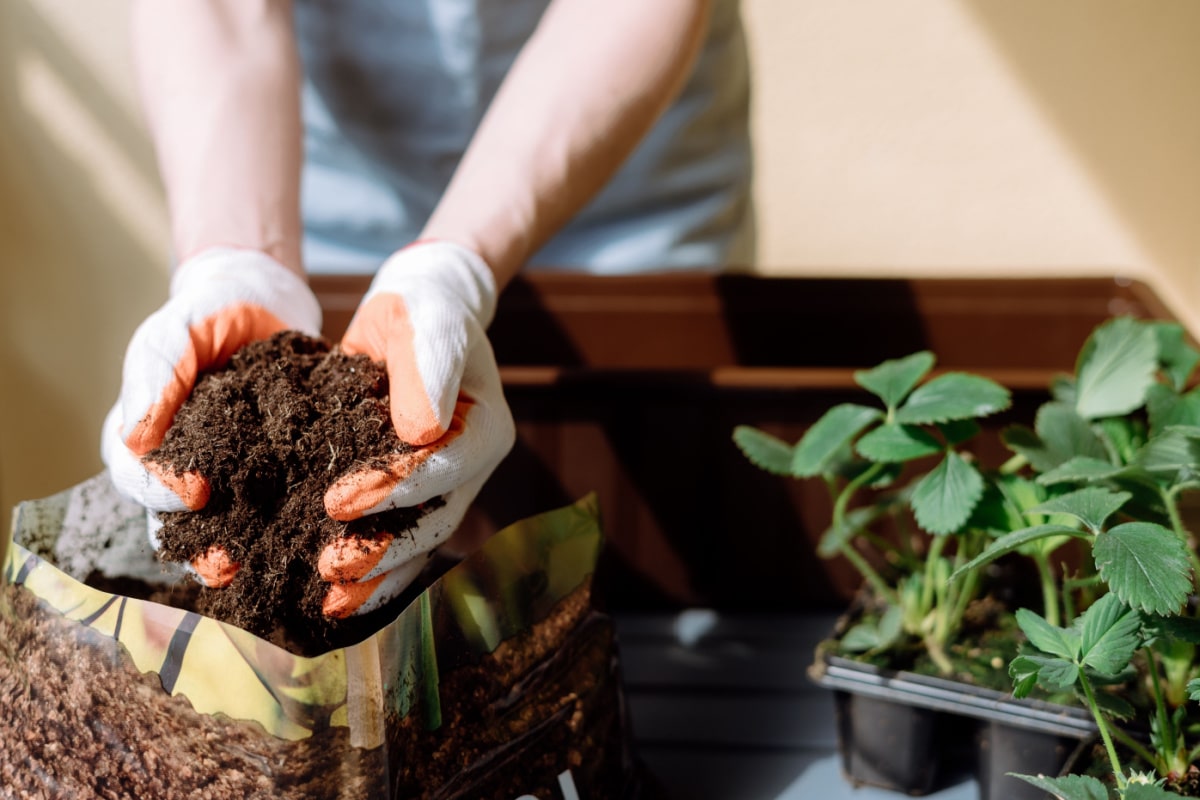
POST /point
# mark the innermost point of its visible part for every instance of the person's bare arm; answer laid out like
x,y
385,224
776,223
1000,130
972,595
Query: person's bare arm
x,y
586,88
220,82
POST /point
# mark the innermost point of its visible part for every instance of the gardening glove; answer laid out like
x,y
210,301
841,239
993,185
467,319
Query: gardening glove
x,y
424,318
219,301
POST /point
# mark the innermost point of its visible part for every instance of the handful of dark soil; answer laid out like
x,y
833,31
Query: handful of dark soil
x,y
271,431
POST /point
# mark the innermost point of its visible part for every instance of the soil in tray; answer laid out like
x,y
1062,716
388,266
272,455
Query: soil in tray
x,y
271,431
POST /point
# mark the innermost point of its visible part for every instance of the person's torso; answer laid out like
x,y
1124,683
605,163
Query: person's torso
x,y
394,90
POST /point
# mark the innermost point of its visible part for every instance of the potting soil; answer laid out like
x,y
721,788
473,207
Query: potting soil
x,y
271,431
79,720
500,680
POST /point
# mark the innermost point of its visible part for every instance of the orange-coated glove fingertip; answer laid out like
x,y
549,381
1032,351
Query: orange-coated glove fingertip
x,y
191,488
147,434
350,558
343,599
215,567
357,493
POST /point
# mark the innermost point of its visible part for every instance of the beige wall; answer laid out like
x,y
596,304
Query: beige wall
x,y
82,244
898,137
987,137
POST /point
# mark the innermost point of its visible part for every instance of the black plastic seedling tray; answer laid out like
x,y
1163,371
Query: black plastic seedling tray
x,y
910,733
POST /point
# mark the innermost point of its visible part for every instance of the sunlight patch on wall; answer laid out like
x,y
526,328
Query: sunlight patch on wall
x,y
66,122
900,142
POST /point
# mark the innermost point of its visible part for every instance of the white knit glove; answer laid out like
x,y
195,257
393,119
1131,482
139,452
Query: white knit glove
x,y
425,318
219,300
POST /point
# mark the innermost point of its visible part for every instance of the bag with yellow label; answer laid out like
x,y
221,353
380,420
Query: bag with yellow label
x,y
501,680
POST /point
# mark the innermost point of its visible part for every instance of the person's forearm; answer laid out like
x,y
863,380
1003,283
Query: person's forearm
x,y
586,88
220,83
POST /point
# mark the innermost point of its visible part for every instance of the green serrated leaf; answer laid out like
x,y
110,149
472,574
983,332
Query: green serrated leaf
x,y
836,428
1060,434
892,380
1125,436
894,443
1062,389
944,498
1065,434
1193,689
953,396
995,512
1023,671
1190,431
1147,791
1178,358
1165,408
1092,505
1024,495
1012,542
1108,635
1051,639
1116,368
1112,705
860,638
1068,787
1146,565
1171,456
765,451
1080,470
1022,440
891,626
875,634
1055,673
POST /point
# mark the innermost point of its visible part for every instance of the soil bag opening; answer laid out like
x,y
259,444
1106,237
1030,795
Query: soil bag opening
x,y
501,679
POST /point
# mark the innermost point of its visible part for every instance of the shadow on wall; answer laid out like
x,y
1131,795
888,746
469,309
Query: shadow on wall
x,y
82,250
1121,85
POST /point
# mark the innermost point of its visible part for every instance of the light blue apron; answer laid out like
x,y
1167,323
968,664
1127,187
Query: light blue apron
x,y
394,89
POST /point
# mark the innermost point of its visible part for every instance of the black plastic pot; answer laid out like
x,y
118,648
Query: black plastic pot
x,y
913,733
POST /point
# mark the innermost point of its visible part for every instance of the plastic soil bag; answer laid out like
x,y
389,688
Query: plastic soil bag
x,y
499,681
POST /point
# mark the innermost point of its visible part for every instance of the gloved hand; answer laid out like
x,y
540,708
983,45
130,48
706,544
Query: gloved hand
x,y
219,300
425,318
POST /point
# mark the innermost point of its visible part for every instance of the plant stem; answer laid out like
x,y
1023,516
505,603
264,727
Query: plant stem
x,y
1168,498
884,546
1069,586
1166,729
1050,608
1013,465
905,537
869,573
966,592
937,653
851,487
1102,724
847,549
1133,745
930,583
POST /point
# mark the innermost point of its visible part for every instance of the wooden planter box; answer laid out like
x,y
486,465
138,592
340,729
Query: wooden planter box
x,y
631,387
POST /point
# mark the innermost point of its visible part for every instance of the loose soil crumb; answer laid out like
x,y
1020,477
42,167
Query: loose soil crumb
x,y
271,431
